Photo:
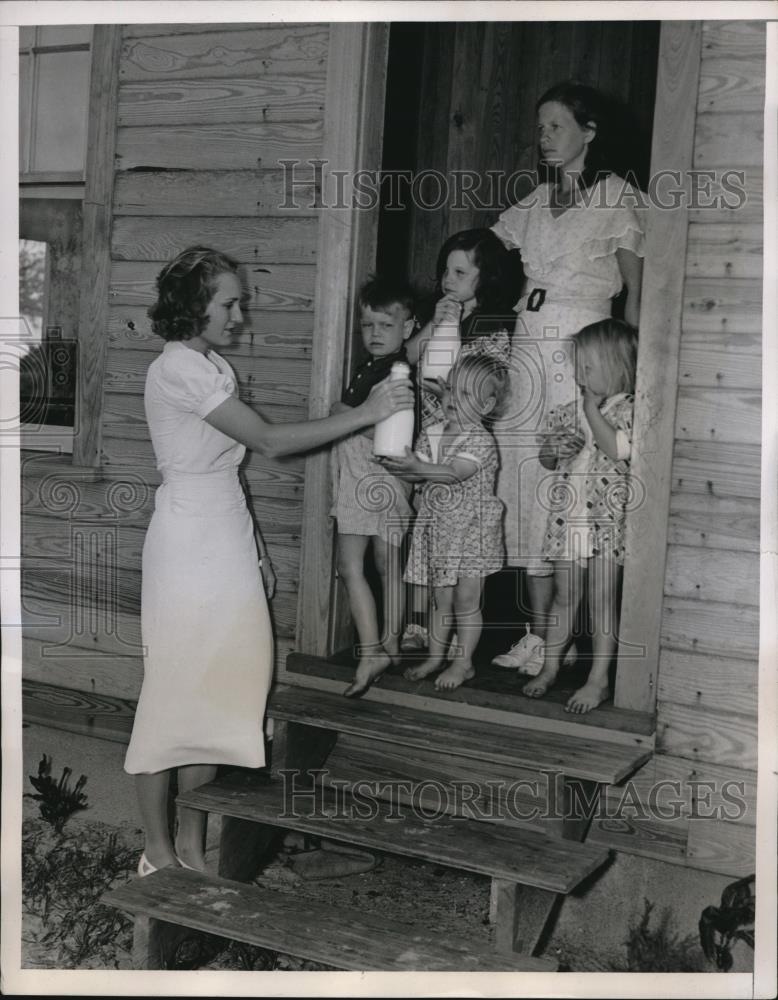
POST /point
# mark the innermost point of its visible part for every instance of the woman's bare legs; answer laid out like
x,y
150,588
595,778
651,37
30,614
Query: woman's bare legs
x,y
568,581
190,837
469,618
152,791
604,579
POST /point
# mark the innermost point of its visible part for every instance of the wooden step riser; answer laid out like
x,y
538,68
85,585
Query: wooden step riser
x,y
486,849
344,938
398,725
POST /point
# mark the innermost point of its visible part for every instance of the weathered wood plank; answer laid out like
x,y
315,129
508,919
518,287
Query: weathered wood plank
x,y
95,269
342,937
724,359
274,242
717,469
709,682
266,50
644,837
735,304
702,734
728,139
156,29
728,415
656,377
713,575
269,286
264,477
189,102
725,250
274,334
82,631
80,712
579,757
731,84
115,676
730,196
710,628
741,39
729,848
484,848
217,147
275,381
56,543
707,521
95,594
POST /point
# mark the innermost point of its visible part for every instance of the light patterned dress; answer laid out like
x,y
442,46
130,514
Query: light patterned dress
x,y
458,529
590,492
572,275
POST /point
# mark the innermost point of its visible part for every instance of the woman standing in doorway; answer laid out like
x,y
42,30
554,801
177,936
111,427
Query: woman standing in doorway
x,y
204,617
581,242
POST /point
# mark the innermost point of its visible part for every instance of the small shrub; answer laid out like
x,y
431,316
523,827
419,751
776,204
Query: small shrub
x,y
58,801
659,948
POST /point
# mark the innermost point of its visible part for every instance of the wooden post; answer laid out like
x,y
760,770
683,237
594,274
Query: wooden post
x,y
96,266
657,380
353,135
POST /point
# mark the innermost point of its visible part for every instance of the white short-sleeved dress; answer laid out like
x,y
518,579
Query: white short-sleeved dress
x,y
572,275
205,624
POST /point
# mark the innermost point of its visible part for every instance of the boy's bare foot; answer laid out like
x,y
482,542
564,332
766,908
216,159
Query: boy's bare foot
x,y
369,669
421,670
455,675
538,686
588,697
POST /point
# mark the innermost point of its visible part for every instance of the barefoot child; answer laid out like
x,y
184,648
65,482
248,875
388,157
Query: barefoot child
x,y
588,444
371,506
471,279
457,536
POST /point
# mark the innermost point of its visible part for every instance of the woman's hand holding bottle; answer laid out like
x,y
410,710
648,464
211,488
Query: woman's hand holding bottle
x,y
387,398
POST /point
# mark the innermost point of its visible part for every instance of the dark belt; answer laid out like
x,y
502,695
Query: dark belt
x,y
535,299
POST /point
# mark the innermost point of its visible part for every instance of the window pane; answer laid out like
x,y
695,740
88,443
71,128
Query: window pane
x,y
60,34
26,36
32,288
62,102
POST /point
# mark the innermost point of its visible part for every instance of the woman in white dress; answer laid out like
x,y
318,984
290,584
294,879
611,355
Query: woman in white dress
x,y
581,242
206,631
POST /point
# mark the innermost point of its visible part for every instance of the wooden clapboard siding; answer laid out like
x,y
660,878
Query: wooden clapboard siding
x,y
727,415
724,250
729,139
713,575
730,195
724,359
711,628
712,306
701,734
709,682
728,848
717,469
253,243
711,522
268,286
233,99
243,146
266,50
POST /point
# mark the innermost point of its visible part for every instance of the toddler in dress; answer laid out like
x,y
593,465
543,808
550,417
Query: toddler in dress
x,y
587,444
457,537
371,506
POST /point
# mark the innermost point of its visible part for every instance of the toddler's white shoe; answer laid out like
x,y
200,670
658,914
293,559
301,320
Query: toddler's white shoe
x,y
526,655
414,639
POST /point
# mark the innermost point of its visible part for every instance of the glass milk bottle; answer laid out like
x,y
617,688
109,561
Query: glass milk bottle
x,y
394,433
441,350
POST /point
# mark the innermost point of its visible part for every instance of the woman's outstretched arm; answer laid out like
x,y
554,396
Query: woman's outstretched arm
x,y
242,423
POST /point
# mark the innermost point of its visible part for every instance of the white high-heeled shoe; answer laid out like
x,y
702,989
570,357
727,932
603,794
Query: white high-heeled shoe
x,y
145,867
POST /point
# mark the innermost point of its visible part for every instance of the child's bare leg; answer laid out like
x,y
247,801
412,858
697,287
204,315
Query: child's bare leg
x,y
467,608
440,630
604,578
373,658
388,560
541,596
568,589
190,838
152,791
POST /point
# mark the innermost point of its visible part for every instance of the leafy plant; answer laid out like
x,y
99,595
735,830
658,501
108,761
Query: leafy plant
x,y
660,948
58,801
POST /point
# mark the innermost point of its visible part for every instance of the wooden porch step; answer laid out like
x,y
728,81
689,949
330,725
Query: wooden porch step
x,y
575,757
514,855
343,937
